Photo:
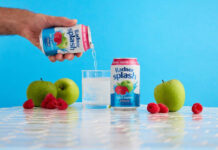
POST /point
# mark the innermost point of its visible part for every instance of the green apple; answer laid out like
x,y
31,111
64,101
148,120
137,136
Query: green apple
x,y
171,93
64,43
37,91
67,90
128,84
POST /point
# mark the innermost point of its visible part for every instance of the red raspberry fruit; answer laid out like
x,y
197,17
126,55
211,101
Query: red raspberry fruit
x,y
153,108
28,104
43,104
61,104
163,108
197,108
124,90
49,102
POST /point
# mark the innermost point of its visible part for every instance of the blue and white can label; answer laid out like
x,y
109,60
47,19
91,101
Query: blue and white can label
x,y
125,83
65,40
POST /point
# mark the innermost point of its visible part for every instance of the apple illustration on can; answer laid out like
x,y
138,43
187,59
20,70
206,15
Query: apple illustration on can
x,y
128,84
170,93
60,40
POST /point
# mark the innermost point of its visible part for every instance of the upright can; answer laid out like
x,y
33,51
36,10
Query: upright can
x,y
65,40
125,83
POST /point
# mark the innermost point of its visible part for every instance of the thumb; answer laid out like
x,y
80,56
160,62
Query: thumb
x,y
61,22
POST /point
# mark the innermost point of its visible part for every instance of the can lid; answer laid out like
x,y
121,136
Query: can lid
x,y
90,38
125,61
41,42
125,58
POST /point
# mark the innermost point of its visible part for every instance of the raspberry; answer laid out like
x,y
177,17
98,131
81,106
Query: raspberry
x,y
61,104
28,104
163,108
49,102
153,108
43,104
197,108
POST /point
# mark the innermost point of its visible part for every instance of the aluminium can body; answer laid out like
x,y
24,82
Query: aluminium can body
x,y
65,40
125,83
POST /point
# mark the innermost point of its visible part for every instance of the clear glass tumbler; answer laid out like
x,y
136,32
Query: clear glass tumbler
x,y
96,88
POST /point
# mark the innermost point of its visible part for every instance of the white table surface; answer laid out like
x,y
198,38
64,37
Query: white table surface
x,y
79,128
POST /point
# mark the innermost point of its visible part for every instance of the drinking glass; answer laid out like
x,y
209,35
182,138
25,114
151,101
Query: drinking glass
x,y
96,88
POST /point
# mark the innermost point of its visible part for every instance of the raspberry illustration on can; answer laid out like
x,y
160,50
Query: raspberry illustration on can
x,y
125,79
65,40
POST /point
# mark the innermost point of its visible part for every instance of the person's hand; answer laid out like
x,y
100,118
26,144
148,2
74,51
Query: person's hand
x,y
34,23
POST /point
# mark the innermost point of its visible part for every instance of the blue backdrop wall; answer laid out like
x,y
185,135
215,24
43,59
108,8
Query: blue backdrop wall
x,y
171,39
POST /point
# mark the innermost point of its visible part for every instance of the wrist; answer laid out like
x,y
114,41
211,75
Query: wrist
x,y
14,21
23,22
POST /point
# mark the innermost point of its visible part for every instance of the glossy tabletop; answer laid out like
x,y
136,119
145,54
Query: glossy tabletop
x,y
80,128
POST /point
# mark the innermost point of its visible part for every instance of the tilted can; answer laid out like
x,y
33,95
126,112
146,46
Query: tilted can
x,y
65,40
125,83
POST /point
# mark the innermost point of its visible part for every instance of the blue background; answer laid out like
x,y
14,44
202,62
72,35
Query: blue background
x,y
172,39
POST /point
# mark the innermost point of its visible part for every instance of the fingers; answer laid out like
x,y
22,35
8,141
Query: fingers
x,y
79,54
61,57
61,21
69,56
52,58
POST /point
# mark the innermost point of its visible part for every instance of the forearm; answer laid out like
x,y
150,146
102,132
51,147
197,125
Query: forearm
x,y
13,21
